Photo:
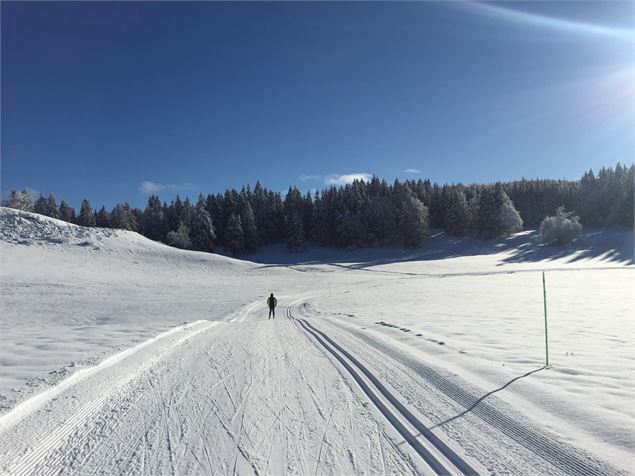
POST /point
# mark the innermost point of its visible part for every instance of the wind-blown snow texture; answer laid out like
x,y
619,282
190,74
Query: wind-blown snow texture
x,y
122,355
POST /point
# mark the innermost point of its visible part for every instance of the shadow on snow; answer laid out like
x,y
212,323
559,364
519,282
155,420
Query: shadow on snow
x,y
607,245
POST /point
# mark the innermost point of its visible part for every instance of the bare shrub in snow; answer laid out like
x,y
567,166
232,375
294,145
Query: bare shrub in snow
x,y
180,238
561,228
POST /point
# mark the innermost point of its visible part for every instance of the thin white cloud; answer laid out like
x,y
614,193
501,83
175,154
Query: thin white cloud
x,y
148,187
412,171
307,178
337,179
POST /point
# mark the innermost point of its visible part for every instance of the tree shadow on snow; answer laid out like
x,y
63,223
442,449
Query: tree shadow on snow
x,y
608,245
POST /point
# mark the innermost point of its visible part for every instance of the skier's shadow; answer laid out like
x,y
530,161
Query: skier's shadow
x,y
468,410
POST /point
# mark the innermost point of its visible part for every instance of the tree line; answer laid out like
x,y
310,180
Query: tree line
x,y
363,213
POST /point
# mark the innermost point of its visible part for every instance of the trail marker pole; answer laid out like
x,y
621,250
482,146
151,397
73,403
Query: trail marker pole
x,y
544,295
329,289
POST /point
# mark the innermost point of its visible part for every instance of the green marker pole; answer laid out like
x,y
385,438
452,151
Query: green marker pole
x,y
544,294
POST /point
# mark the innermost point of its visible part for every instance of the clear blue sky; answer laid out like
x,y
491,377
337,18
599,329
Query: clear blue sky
x,y
114,100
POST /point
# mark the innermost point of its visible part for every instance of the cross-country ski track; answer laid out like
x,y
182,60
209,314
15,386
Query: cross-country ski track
x,y
300,394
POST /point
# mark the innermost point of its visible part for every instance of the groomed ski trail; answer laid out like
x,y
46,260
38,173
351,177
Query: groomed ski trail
x,y
296,395
489,431
252,396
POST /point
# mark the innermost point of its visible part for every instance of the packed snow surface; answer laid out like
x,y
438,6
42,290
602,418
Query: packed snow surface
x,y
124,356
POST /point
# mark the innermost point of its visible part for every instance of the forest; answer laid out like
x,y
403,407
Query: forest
x,y
361,214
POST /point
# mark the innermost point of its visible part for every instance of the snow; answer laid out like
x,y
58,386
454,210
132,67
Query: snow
x,y
164,358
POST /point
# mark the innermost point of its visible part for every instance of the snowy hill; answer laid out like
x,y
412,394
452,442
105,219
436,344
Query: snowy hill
x,y
71,295
94,338
30,229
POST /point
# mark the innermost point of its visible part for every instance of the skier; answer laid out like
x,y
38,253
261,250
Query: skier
x,y
272,302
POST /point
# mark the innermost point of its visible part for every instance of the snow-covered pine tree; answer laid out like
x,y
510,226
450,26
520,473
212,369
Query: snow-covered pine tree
x,y
86,215
413,221
102,218
153,224
174,213
234,236
186,214
259,206
292,205
307,214
456,220
348,226
123,217
201,227
66,212
319,224
19,201
229,205
472,213
248,222
496,214
213,206
180,237
296,242
51,207
40,205
626,215
381,224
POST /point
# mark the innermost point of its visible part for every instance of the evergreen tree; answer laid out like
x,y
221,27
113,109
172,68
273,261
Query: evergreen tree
x,y
229,205
124,218
234,236
215,210
457,217
51,207
201,229
174,214
41,205
188,209
472,213
497,215
626,213
66,212
296,243
318,220
102,218
153,224
19,201
413,221
380,221
350,229
292,204
249,223
86,215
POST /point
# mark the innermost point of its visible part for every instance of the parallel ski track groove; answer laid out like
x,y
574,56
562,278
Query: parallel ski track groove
x,y
551,450
346,359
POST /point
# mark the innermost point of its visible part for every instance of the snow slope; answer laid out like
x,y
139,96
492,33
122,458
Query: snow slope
x,y
72,295
122,355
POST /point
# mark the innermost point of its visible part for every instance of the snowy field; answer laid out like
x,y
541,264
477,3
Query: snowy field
x,y
122,355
